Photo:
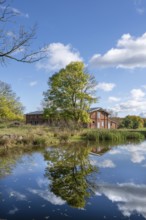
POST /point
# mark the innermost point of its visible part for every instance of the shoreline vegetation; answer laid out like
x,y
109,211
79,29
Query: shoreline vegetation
x,y
29,136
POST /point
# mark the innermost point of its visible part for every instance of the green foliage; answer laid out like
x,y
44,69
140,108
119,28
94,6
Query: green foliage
x,y
70,94
132,122
10,106
134,136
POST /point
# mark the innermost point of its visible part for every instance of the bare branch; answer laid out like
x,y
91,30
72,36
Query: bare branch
x,y
16,46
6,12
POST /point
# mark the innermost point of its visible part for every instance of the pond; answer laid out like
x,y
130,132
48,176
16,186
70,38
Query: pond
x,y
74,182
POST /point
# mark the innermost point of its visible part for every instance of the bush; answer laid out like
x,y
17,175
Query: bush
x,y
39,141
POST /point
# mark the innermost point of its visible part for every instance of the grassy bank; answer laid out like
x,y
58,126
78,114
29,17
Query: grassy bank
x,y
29,136
113,135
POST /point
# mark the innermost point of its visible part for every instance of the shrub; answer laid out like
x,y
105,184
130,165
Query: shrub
x,y
39,141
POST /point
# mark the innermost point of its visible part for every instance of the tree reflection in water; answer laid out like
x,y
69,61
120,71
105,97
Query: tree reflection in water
x,y
68,169
8,161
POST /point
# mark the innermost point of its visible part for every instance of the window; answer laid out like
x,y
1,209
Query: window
x,y
98,114
102,123
98,124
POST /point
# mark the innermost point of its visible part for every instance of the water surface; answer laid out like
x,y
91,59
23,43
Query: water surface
x,y
74,182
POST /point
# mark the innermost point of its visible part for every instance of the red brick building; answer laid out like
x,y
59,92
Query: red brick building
x,y
35,118
99,119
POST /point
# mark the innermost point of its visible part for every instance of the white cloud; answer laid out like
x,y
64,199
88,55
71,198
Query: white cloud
x,y
129,53
11,34
130,106
18,12
139,8
140,11
105,86
114,151
14,11
135,103
17,195
130,198
45,193
138,153
137,157
33,83
113,99
103,164
142,114
137,94
58,56
48,196
106,164
13,211
43,182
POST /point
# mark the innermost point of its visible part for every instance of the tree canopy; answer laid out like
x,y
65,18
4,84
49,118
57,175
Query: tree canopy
x,y
70,94
15,43
132,121
10,106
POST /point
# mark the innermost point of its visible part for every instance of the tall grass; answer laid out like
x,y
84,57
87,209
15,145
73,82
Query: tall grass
x,y
113,135
27,135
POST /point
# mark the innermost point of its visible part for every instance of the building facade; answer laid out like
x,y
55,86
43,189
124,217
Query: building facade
x,y
35,118
99,119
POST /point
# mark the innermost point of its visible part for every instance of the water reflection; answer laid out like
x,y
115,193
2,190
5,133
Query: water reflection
x,y
130,197
98,181
8,162
69,170
9,158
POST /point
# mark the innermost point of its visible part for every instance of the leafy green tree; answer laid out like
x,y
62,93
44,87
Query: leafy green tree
x,y
70,94
68,169
132,121
144,122
10,106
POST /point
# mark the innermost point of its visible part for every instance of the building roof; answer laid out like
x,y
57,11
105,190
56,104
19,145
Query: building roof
x,y
90,110
35,113
98,109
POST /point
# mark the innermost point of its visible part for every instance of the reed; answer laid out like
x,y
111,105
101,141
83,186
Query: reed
x,y
113,135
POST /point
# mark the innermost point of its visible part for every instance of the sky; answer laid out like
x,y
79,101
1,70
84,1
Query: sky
x,y
109,36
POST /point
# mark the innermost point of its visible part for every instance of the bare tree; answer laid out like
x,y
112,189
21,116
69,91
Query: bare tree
x,y
16,45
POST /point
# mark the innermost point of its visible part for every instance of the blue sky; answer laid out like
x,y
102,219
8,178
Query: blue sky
x,y
109,36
